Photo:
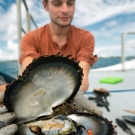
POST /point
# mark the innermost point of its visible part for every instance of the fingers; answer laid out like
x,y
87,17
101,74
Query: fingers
x,y
1,97
85,104
7,118
91,107
3,109
9,130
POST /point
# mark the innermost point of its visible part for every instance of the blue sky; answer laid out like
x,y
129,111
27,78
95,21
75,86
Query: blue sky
x,y
106,19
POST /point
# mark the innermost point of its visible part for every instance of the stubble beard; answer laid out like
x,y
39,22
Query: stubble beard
x,y
60,25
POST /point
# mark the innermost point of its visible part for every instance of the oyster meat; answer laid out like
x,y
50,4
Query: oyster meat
x,y
57,125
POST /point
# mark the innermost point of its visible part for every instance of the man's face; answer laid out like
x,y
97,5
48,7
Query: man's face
x,y
61,11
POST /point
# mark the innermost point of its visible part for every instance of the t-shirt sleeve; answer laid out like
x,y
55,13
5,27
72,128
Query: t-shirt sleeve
x,y
86,49
28,47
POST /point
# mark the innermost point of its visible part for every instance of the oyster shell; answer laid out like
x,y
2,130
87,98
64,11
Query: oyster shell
x,y
47,82
97,124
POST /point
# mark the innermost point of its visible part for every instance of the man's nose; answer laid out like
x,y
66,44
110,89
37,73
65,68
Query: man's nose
x,y
64,8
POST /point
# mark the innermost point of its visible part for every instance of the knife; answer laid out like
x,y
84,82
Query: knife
x,y
123,125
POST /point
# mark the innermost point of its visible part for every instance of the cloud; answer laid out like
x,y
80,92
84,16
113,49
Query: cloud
x,y
11,52
111,23
12,46
95,11
38,12
131,43
2,1
87,13
104,51
2,54
113,28
9,28
108,51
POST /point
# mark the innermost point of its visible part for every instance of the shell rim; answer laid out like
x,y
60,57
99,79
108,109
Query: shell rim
x,y
109,123
45,59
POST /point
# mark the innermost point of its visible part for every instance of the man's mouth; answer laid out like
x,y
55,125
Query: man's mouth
x,y
64,18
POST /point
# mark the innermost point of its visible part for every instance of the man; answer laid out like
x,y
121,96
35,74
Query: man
x,y
60,36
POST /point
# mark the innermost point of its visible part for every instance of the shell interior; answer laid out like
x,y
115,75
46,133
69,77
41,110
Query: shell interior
x,y
97,124
46,83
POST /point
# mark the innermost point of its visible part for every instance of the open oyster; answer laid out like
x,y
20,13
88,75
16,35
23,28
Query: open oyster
x,y
41,95
46,83
57,125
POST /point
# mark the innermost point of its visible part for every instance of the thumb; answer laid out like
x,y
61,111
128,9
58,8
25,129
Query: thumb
x,y
86,104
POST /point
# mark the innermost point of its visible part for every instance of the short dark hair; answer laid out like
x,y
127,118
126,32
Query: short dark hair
x,y
46,1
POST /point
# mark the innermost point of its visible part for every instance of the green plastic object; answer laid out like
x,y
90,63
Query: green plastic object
x,y
111,80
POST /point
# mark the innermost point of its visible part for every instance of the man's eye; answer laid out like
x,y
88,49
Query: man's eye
x,y
70,3
57,4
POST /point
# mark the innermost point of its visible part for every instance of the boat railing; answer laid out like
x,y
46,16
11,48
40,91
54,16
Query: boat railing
x,y
29,18
123,49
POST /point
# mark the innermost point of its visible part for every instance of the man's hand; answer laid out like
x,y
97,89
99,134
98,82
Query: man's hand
x,y
2,87
82,103
9,130
6,119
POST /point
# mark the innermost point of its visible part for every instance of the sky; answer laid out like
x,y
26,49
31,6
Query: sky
x,y
105,19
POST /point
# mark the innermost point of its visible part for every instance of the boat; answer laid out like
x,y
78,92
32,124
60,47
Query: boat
x,y
122,95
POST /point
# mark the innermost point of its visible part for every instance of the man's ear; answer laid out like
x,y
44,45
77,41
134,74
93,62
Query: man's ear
x,y
45,5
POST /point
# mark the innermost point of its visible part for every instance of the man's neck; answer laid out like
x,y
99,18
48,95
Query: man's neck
x,y
59,34
58,31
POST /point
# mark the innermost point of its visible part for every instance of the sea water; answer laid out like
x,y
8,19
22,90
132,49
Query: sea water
x,y
11,67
